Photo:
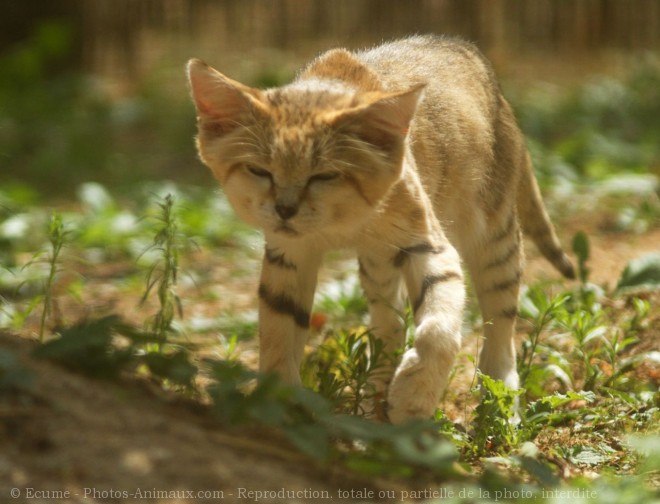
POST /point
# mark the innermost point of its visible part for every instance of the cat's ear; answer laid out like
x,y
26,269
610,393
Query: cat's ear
x,y
383,117
222,103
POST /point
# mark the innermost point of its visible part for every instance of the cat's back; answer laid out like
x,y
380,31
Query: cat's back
x,y
449,66
455,124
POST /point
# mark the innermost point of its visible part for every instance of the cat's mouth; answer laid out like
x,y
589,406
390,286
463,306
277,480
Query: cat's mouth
x,y
284,228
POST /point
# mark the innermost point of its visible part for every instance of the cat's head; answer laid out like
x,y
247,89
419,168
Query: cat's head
x,y
313,156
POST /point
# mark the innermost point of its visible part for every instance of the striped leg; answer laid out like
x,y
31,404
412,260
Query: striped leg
x,y
496,276
382,285
286,294
435,286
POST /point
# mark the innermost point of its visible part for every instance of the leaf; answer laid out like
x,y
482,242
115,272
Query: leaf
x,y
649,448
357,428
560,374
312,402
528,458
311,439
642,273
582,251
87,347
426,450
581,246
175,367
587,456
596,332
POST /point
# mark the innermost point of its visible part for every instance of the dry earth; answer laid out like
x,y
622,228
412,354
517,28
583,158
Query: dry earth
x,y
71,439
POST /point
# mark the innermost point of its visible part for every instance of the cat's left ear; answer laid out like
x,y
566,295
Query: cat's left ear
x,y
382,117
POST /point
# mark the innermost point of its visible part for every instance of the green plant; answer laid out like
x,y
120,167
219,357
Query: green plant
x,y
642,273
57,236
88,347
598,339
582,251
57,239
602,127
542,311
342,367
104,348
588,332
163,273
579,337
495,423
242,396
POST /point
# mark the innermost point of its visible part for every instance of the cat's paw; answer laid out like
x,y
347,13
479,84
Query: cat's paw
x,y
415,390
375,407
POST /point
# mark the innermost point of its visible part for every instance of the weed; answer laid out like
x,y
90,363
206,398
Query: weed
x,y
310,422
641,274
588,333
57,238
342,367
542,311
582,251
163,273
494,424
596,339
88,347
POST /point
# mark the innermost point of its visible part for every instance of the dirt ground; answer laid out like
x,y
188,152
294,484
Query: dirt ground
x,y
66,438
71,439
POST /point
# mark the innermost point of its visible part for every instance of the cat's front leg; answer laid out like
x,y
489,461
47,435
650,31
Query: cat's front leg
x,y
434,281
286,294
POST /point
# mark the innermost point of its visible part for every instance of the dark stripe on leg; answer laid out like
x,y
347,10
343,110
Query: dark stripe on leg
x,y
506,284
430,281
272,257
509,313
421,248
284,304
505,258
507,229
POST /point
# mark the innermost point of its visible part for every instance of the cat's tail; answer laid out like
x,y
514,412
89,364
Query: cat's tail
x,y
536,224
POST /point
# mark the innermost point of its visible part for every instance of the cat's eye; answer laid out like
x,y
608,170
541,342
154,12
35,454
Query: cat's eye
x,y
324,177
258,172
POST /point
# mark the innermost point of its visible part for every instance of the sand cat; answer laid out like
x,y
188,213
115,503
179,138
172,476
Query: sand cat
x,y
407,153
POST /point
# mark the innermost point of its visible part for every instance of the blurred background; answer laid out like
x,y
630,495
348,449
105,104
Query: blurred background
x,y
95,90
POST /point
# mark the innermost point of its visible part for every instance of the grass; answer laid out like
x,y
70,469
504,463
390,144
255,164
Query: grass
x,y
589,405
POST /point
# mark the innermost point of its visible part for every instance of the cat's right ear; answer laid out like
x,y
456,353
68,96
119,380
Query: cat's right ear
x,y
222,103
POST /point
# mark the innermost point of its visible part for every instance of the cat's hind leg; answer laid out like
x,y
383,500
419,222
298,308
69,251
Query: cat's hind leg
x,y
435,287
496,269
382,283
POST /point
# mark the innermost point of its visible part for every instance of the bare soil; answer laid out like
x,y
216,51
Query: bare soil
x,y
68,436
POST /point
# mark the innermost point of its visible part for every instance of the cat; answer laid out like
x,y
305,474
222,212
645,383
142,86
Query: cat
x,y
406,152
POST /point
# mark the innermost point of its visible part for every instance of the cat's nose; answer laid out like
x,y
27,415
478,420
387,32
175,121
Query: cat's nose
x,y
286,211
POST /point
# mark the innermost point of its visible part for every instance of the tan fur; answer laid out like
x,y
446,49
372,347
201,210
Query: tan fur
x,y
407,152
